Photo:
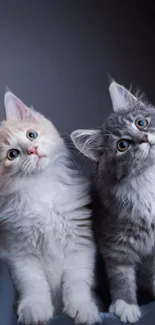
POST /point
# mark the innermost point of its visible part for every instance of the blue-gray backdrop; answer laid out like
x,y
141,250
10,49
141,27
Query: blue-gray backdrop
x,y
57,55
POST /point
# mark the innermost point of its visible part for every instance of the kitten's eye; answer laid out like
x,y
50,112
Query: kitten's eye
x,y
123,145
31,135
141,123
13,154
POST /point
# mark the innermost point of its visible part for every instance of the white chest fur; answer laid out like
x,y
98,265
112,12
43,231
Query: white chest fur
x,y
47,212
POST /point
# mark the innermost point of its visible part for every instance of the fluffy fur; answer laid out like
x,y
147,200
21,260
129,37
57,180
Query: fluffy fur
x,y
124,189
45,225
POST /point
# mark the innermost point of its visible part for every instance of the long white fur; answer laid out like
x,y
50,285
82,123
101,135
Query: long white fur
x,y
49,243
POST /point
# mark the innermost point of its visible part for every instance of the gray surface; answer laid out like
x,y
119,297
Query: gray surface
x,y
57,56
148,318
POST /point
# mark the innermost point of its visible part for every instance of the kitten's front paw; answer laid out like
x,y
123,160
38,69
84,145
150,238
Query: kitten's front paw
x,y
32,310
83,312
126,312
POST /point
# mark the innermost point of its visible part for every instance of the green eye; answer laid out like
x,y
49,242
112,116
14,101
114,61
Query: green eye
x,y
13,154
123,145
31,135
141,123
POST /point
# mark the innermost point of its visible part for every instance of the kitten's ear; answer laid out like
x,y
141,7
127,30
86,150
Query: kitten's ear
x,y
121,98
15,109
85,142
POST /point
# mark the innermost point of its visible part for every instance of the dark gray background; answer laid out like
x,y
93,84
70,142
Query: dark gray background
x,y
57,55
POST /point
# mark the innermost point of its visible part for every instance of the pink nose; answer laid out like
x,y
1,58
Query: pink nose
x,y
33,151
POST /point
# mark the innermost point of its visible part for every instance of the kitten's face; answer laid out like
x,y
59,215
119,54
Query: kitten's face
x,y
125,145
28,141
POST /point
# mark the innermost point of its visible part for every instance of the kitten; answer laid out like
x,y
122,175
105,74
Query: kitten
x,y
123,151
44,222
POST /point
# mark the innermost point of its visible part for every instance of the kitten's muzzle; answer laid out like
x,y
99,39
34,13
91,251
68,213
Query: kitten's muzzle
x,y
151,138
33,150
148,138
144,139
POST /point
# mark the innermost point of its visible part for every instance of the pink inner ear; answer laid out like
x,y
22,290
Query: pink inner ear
x,y
25,114
21,109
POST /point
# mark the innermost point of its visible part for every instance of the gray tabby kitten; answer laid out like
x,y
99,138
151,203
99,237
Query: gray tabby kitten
x,y
123,151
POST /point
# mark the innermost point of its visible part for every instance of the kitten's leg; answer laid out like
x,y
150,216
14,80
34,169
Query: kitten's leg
x,y
77,284
35,300
147,274
122,281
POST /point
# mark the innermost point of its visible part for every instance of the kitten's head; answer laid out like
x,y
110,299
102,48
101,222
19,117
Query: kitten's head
x,y
125,144
28,141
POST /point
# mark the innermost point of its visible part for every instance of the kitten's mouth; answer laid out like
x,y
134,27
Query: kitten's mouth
x,y
38,159
42,156
38,156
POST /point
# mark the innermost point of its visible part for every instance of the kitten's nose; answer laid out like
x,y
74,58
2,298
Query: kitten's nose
x,y
33,150
144,138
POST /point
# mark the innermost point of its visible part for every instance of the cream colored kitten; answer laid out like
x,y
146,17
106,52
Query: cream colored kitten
x,y
45,225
